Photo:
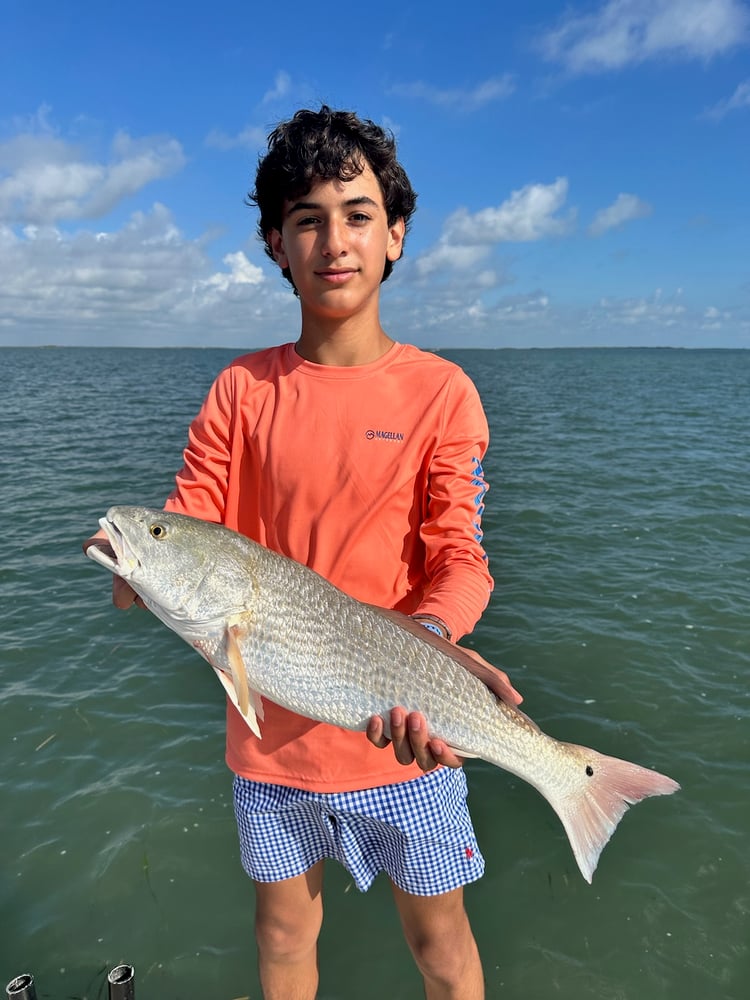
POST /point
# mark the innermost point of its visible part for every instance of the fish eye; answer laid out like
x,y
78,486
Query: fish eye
x,y
158,531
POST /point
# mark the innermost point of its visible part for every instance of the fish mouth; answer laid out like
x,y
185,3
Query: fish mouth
x,y
115,554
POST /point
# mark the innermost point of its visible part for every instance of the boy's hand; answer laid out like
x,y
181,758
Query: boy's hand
x,y
496,680
411,741
123,595
409,734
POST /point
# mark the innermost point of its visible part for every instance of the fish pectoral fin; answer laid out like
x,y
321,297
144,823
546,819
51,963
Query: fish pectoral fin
x,y
241,695
255,705
237,666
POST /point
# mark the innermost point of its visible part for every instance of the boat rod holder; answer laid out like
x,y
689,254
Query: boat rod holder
x,y
21,988
121,981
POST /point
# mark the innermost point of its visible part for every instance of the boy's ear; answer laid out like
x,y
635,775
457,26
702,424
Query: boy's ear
x,y
276,244
396,234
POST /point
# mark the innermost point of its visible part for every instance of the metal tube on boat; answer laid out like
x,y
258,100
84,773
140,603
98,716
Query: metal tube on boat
x,y
21,988
121,981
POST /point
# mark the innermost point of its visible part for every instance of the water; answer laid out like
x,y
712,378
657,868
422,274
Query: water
x,y
618,527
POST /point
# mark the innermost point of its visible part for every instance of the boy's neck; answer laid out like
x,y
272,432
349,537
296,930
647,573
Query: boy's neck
x,y
343,346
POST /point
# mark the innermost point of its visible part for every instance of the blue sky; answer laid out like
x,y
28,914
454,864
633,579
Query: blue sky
x,y
582,167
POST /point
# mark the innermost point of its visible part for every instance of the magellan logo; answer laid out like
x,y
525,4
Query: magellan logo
x,y
384,435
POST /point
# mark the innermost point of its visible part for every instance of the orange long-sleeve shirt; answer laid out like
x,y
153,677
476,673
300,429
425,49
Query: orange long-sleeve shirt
x,y
372,476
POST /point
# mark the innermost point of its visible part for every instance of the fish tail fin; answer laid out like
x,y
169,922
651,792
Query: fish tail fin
x,y
599,798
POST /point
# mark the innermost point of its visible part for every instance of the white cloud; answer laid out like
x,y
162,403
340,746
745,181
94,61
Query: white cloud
x,y
241,272
447,256
50,274
461,99
282,86
739,100
454,315
458,313
624,208
528,215
254,137
250,137
653,312
625,32
715,319
520,309
146,282
145,277
45,179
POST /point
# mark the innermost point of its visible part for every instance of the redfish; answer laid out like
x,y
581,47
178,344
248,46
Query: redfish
x,y
273,628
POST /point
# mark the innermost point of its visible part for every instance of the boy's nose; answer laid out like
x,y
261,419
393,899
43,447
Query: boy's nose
x,y
334,240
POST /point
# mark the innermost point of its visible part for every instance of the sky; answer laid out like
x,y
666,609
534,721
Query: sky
x,y
582,167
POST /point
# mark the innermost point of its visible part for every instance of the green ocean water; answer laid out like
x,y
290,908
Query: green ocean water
x,y
618,529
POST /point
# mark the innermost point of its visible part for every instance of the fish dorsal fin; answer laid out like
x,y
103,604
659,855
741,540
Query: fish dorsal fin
x,y
242,696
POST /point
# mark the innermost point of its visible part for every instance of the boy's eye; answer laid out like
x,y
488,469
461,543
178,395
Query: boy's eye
x,y
359,217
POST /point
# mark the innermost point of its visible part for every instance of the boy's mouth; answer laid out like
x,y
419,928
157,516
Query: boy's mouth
x,y
336,274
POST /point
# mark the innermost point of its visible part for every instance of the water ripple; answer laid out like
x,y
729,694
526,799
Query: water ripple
x,y
618,528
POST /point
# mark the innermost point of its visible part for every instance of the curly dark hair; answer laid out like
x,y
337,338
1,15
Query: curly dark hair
x,y
323,145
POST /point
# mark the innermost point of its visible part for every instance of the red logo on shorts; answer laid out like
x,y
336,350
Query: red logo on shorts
x,y
469,853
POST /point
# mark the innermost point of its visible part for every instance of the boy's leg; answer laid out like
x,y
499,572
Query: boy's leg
x,y
288,916
438,933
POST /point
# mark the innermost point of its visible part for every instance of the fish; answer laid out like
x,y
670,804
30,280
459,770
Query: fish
x,y
274,629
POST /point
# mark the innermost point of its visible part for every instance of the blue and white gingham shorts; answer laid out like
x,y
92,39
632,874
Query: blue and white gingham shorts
x,y
419,832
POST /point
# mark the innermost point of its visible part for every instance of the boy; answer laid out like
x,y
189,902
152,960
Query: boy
x,y
361,458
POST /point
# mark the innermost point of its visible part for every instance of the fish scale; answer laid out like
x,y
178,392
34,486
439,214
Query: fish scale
x,y
345,689
271,627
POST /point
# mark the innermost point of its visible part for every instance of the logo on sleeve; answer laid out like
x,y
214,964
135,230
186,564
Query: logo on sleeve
x,y
478,482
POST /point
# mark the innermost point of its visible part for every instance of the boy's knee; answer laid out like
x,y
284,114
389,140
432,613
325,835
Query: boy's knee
x,y
286,937
444,950
440,961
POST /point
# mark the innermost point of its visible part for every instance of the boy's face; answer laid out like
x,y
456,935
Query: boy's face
x,y
335,240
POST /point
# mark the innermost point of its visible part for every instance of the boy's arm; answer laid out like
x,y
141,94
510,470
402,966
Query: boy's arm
x,y
201,485
460,582
456,564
